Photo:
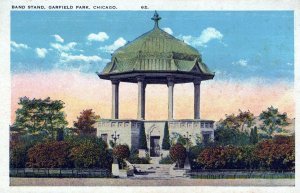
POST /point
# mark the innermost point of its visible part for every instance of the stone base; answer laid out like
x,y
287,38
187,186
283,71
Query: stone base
x,y
115,170
142,153
179,172
123,173
129,131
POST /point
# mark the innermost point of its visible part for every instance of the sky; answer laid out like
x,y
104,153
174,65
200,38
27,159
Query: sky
x,y
57,53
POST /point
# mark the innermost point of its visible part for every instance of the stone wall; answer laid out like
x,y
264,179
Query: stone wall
x,y
129,130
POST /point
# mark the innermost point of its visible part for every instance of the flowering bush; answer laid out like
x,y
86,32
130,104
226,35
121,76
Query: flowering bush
x,y
277,154
53,154
178,154
121,152
226,157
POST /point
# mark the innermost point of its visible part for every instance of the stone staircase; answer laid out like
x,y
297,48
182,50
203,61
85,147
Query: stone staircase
x,y
158,171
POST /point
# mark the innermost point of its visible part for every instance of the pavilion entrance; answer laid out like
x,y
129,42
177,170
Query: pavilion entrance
x,y
154,146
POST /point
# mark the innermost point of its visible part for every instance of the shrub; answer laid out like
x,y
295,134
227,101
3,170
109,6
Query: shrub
x,y
178,154
220,157
135,159
89,154
230,136
248,159
277,154
18,156
53,154
193,153
166,160
142,139
166,140
121,152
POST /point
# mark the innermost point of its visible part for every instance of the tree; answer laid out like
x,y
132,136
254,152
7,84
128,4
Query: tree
x,y
85,122
273,121
142,139
238,122
177,138
253,136
36,116
228,136
229,122
166,140
245,118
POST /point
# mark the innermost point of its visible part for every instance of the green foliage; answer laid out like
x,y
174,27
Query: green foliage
x,y
40,115
90,151
253,136
135,159
51,154
166,160
85,123
177,138
89,154
178,154
228,136
166,140
238,122
193,153
142,139
18,156
77,140
273,121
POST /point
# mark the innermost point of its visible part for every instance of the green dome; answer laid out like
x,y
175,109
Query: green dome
x,y
156,51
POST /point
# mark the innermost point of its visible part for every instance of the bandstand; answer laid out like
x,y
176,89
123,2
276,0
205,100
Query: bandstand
x,y
155,57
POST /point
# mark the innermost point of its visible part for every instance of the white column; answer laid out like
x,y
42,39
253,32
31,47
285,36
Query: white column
x,y
197,99
141,98
170,98
115,99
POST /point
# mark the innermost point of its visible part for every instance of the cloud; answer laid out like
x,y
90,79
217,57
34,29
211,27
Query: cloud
x,y
117,44
80,62
209,34
17,46
168,30
58,38
241,62
81,58
100,37
41,52
206,36
65,48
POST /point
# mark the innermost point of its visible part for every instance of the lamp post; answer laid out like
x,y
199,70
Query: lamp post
x,y
187,137
115,137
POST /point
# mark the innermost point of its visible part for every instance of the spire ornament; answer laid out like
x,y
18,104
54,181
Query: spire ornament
x,y
156,18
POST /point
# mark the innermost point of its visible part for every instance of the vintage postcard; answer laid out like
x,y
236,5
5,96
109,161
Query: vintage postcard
x,y
153,95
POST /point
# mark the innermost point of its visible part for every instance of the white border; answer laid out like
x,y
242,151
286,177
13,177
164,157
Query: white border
x,y
5,8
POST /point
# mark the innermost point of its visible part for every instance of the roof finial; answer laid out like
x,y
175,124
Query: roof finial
x,y
156,18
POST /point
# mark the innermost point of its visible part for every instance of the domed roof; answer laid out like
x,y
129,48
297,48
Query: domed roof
x,y
158,52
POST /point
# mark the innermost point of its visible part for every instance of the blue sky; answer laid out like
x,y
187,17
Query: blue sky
x,y
235,45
